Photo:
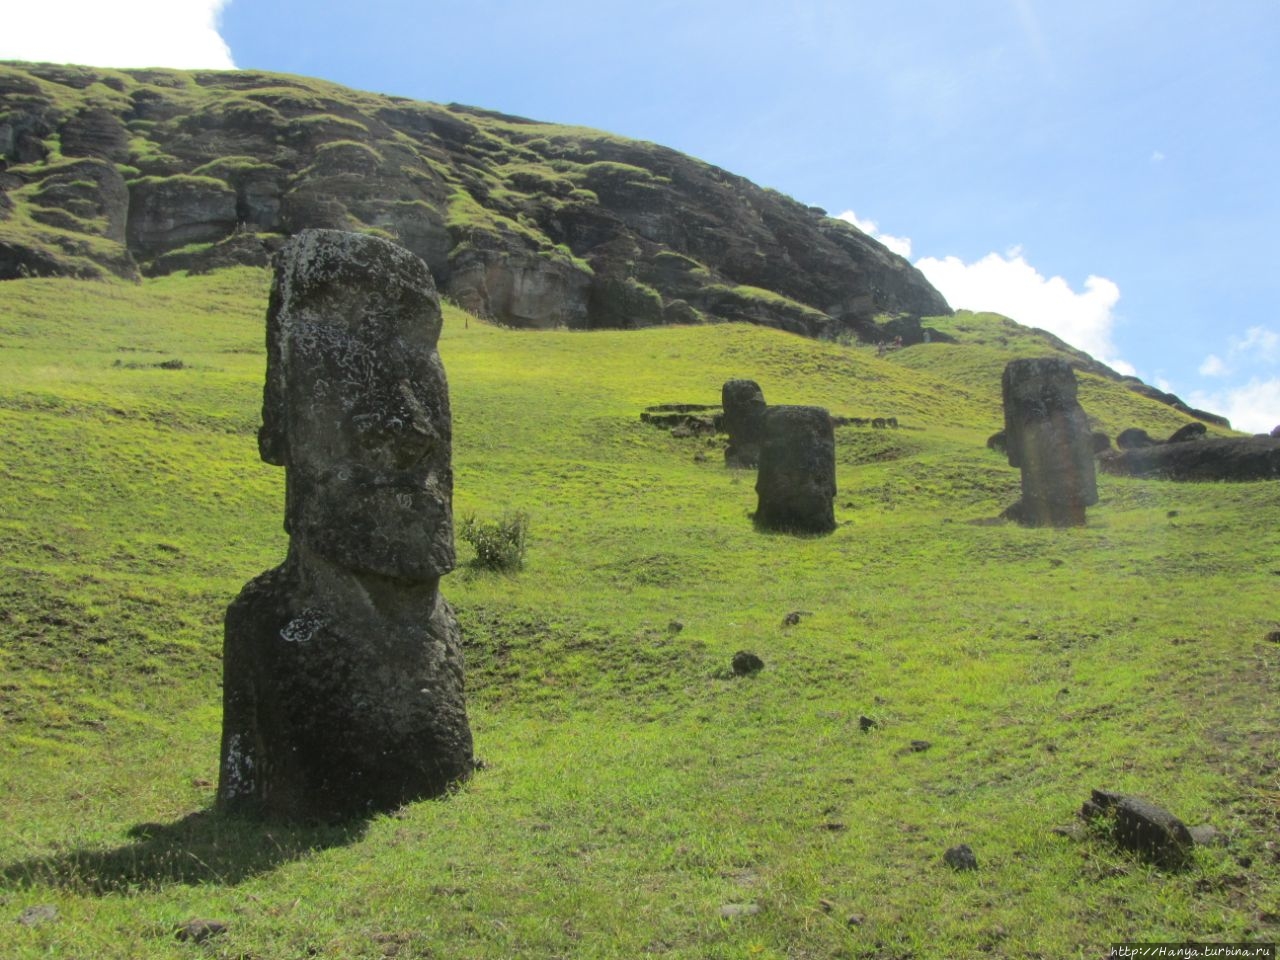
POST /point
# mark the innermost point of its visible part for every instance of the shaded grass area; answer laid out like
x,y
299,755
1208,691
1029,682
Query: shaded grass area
x,y
633,786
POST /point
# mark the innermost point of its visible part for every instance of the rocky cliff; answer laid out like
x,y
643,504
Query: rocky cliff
x,y
148,171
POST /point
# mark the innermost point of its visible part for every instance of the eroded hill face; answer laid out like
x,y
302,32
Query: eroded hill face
x,y
149,171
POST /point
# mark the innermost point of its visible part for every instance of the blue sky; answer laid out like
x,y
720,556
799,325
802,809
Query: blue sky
x,y
1106,170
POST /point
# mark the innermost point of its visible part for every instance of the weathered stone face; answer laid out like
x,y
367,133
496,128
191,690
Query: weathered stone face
x,y
1047,435
744,409
343,674
797,479
357,406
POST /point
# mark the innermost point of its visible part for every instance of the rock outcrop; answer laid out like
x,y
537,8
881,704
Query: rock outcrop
x,y
531,224
796,483
1047,436
343,676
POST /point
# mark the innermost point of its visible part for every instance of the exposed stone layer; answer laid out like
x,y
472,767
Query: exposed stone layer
x,y
532,224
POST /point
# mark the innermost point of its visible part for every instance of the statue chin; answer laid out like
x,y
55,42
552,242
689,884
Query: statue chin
x,y
388,531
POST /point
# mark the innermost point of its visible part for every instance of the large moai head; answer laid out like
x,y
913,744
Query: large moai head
x,y
1047,435
744,408
356,406
796,484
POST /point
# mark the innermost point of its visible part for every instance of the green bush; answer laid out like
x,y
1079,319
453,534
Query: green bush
x,y
499,544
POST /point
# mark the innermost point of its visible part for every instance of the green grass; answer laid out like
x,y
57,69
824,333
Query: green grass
x,y
632,786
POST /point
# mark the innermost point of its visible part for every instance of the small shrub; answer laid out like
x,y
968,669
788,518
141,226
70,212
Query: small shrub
x,y
499,544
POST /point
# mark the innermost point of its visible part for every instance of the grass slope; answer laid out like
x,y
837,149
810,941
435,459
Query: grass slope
x,y
633,787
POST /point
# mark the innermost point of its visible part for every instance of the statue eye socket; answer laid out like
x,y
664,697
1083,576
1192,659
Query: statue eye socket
x,y
400,436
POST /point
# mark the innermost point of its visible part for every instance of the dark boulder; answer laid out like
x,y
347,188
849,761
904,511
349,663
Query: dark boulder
x,y
961,857
1101,442
796,483
1142,827
743,420
1048,438
997,442
746,663
342,668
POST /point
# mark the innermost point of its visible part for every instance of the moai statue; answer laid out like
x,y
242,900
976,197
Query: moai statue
x,y
342,667
797,479
744,407
1048,436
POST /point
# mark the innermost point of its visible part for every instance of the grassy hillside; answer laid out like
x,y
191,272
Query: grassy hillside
x,y
637,799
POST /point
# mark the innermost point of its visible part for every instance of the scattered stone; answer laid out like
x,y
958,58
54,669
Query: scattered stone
x,y
1188,432
835,826
855,920
825,905
1072,831
920,746
796,483
1207,835
866,724
342,668
201,783
1273,636
675,626
731,910
961,857
744,410
746,663
40,913
1101,442
997,441
198,931
1048,438
792,618
1134,439
1142,827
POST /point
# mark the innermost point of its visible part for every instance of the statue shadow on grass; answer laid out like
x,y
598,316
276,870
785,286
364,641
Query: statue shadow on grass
x,y
203,847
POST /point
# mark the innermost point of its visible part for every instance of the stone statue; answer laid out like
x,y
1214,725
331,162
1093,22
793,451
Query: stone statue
x,y
1047,435
796,483
744,407
343,680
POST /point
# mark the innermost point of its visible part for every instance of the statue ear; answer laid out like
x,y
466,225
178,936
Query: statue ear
x,y
273,443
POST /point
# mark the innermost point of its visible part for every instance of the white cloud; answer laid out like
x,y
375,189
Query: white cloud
x,y
1213,366
128,33
1009,285
1157,157
899,245
1253,408
1258,343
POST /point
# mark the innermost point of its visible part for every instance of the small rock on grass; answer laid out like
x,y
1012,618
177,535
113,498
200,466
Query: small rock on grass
x,y
198,931
960,857
866,723
746,663
730,910
40,913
